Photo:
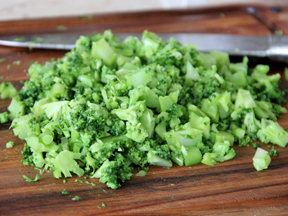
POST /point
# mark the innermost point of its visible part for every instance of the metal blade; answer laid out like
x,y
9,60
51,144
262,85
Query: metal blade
x,y
232,44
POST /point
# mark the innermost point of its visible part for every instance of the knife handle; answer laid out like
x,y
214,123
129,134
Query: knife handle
x,y
278,48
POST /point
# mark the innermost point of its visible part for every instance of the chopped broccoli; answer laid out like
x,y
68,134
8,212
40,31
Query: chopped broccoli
x,y
4,117
256,145
76,198
37,178
141,173
261,159
7,90
64,192
274,153
9,144
109,106
272,132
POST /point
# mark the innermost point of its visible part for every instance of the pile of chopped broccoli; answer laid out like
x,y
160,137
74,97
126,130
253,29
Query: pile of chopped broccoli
x,y
108,105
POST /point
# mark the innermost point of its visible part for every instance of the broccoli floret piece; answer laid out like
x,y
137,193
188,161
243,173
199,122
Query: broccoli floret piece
x,y
76,198
256,145
55,110
113,172
220,153
19,126
27,155
30,93
4,117
154,159
273,152
16,108
266,87
272,132
64,192
65,162
9,144
101,151
7,90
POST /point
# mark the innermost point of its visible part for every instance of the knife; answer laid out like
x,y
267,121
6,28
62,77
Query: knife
x,y
275,47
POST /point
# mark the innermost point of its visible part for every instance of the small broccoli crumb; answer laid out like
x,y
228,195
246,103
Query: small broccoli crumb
x,y
274,153
17,62
103,204
141,173
98,207
8,67
279,32
64,181
86,17
87,182
76,198
172,184
9,144
78,180
39,40
20,39
256,145
64,192
61,28
37,178
2,60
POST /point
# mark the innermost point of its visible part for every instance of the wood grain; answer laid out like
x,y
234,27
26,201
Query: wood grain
x,y
230,188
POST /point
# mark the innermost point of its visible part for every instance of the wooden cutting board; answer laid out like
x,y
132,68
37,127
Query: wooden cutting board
x,y
229,188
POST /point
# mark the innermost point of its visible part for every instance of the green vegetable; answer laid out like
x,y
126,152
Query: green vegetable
x,y
37,178
76,198
4,117
61,28
109,106
7,90
256,145
261,159
17,62
78,180
103,204
141,173
64,192
9,144
20,39
274,153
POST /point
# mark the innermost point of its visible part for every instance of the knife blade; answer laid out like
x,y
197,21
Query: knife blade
x,y
241,45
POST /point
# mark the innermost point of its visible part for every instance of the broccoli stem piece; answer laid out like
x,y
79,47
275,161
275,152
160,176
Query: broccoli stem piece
x,y
4,117
7,90
261,159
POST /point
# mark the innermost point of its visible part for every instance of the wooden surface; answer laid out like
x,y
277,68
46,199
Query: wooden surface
x,y
230,188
